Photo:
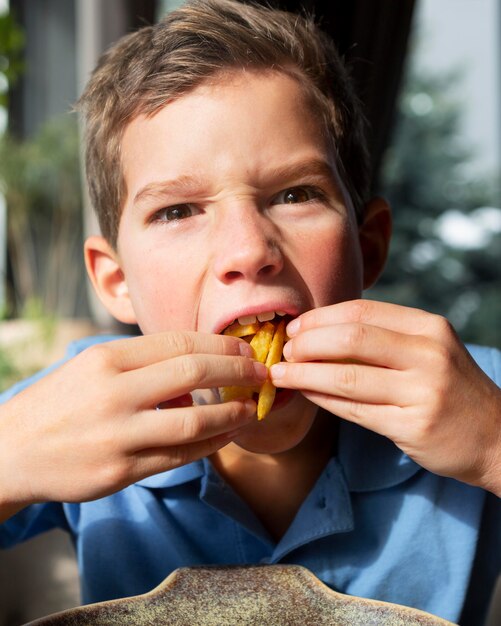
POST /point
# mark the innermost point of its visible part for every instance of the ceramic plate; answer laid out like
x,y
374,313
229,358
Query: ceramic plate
x,y
272,595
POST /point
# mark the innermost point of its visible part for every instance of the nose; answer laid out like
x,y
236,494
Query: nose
x,y
246,246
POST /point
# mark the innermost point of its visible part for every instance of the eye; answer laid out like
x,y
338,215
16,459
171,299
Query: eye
x,y
296,195
175,213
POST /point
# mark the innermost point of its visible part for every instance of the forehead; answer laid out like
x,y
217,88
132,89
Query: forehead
x,y
256,118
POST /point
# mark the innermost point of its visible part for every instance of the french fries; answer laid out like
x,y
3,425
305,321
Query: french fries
x,y
237,330
261,342
267,342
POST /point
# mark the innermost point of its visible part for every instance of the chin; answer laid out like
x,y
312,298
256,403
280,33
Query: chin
x,y
282,430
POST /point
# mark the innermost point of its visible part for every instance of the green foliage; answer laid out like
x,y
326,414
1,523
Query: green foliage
x,y
40,176
9,373
426,175
11,49
41,182
34,311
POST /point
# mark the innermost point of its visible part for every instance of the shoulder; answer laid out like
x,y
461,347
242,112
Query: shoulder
x,y
72,350
488,359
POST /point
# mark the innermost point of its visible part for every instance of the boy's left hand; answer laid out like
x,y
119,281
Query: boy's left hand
x,y
404,374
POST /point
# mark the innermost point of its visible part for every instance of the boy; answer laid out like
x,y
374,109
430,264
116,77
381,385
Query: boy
x,y
226,161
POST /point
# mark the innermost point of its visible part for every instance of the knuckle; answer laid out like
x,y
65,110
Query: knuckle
x,y
355,336
225,344
110,407
423,432
191,370
245,369
194,425
114,474
234,412
438,399
441,326
180,343
442,360
112,398
422,426
100,355
356,411
361,310
104,439
347,378
179,455
432,403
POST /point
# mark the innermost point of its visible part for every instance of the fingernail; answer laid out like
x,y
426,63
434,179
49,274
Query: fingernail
x,y
261,370
293,327
250,407
245,349
277,371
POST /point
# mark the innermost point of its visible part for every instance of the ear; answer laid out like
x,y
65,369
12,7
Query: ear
x,y
374,236
107,278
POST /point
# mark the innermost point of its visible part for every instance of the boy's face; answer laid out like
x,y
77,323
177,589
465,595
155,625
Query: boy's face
x,y
234,207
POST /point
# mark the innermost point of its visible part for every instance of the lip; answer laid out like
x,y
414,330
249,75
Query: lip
x,y
283,397
293,311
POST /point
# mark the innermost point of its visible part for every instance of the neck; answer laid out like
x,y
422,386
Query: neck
x,y
275,485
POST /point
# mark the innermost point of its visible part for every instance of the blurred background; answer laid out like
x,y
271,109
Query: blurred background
x,y
430,77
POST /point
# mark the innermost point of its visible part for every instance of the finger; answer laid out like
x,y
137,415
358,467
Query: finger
x,y
391,316
137,352
175,377
362,383
181,426
380,418
359,342
155,460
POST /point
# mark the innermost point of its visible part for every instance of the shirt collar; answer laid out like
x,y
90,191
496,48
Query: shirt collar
x,y
174,477
371,461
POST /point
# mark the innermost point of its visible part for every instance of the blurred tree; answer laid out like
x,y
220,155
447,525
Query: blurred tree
x,y
446,250
11,54
40,178
40,181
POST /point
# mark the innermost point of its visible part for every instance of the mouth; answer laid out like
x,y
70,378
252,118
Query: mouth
x,y
265,332
254,320
267,316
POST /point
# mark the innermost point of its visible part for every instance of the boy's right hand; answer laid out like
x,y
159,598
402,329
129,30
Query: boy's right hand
x,y
92,427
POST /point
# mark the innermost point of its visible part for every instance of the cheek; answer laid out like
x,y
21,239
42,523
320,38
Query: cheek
x,y
162,291
332,264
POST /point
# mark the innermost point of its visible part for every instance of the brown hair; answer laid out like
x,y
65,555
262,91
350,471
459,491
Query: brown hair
x,y
147,68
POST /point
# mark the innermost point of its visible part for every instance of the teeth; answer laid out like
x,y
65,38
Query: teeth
x,y
262,317
265,317
247,319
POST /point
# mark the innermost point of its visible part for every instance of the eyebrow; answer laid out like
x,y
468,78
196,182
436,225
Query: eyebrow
x,y
317,168
314,168
179,185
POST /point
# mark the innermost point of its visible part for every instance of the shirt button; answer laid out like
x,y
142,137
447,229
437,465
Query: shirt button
x,y
322,502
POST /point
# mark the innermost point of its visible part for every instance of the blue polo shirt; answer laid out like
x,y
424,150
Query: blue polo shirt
x,y
375,525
